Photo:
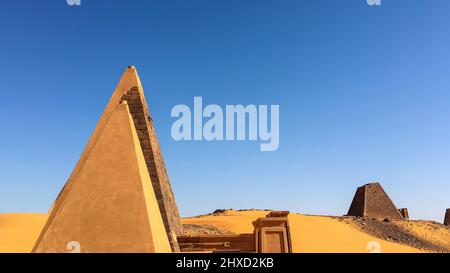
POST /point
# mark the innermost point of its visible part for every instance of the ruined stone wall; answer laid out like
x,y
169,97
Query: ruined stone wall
x,y
108,207
357,206
378,203
217,243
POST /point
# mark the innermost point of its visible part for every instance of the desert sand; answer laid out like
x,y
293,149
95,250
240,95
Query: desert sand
x,y
320,234
317,234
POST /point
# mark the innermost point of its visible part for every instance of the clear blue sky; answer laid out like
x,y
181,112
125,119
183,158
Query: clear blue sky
x,y
363,94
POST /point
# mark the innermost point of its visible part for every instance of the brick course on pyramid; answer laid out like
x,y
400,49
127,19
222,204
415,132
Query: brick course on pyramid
x,y
372,201
125,206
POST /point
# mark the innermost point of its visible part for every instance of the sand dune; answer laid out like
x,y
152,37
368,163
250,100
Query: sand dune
x,y
318,234
18,232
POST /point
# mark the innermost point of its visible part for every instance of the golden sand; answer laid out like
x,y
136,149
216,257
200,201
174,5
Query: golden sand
x,y
318,234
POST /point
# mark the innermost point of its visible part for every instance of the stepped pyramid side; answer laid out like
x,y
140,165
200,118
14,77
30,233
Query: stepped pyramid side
x,y
109,206
130,89
372,201
155,164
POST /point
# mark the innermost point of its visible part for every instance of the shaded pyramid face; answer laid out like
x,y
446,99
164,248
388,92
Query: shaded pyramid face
x,y
372,201
118,198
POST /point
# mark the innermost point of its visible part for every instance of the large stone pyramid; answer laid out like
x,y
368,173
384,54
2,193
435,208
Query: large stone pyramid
x,y
118,198
372,201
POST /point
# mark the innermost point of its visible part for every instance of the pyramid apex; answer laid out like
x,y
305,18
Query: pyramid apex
x,y
129,79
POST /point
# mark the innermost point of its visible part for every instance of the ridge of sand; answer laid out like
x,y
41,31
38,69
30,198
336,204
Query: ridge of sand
x,y
316,234
431,231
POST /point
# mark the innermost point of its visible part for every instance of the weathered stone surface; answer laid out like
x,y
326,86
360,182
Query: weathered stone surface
x,y
372,201
272,233
283,213
447,218
217,243
109,206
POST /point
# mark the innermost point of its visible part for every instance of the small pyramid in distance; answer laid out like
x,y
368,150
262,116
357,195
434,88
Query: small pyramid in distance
x,y
372,201
118,197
